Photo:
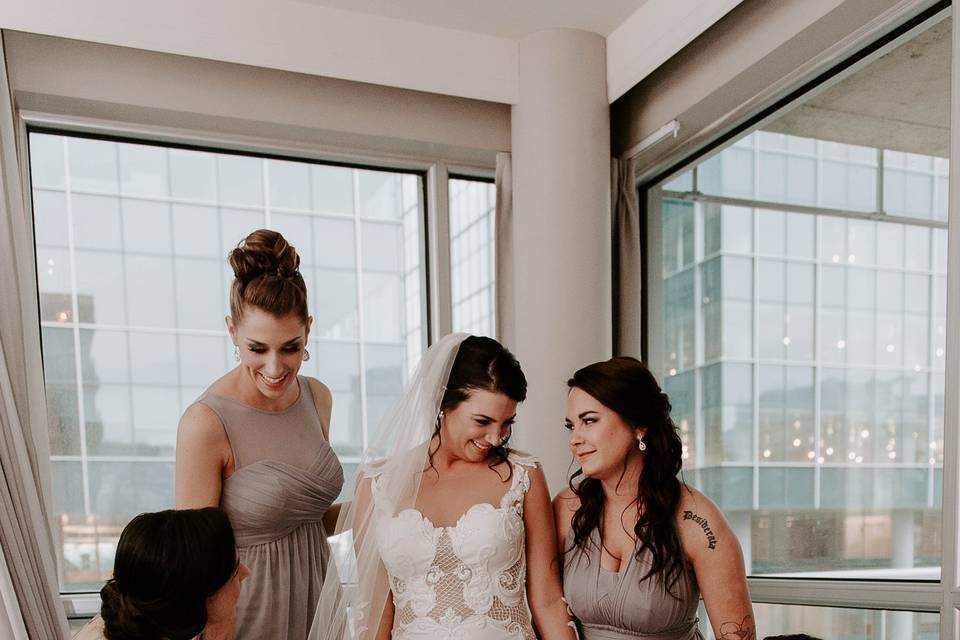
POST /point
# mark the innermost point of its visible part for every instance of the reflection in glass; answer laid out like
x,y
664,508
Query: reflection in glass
x,y
132,311
803,347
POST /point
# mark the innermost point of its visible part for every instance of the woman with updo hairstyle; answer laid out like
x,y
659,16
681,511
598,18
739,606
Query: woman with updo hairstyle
x,y
638,546
176,576
256,443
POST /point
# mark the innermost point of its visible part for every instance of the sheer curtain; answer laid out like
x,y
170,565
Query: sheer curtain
x,y
24,535
504,248
627,259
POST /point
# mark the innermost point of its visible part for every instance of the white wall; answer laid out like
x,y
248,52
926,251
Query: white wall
x,y
289,35
100,81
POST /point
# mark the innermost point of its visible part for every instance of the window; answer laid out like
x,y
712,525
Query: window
x,y
472,267
803,316
131,244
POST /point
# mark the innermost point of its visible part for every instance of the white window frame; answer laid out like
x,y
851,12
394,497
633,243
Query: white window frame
x,y
436,305
941,597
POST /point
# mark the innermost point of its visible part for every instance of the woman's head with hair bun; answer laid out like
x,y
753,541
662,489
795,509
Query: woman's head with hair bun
x,y
268,320
266,271
170,568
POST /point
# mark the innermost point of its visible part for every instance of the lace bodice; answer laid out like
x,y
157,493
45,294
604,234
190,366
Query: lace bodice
x,y
466,581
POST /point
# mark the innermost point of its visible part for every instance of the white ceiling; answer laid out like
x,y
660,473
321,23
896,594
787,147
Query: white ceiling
x,y
504,18
899,101
464,48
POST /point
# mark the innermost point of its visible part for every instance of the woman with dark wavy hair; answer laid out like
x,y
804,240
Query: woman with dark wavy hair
x,y
176,576
638,546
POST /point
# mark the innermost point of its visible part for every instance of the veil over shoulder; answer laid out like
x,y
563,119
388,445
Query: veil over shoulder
x,y
356,586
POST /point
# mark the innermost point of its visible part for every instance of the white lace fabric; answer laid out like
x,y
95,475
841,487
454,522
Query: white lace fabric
x,y
466,581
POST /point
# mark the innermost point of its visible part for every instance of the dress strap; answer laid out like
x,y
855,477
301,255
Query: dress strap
x,y
520,463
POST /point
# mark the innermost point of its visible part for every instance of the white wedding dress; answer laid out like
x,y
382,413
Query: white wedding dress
x,y
467,581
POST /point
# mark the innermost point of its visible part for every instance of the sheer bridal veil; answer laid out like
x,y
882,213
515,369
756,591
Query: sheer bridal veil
x,y
355,586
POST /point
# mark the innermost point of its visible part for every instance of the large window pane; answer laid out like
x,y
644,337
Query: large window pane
x,y
472,267
131,249
812,409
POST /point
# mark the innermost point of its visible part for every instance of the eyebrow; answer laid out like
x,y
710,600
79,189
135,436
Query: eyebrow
x,y
486,417
585,414
261,344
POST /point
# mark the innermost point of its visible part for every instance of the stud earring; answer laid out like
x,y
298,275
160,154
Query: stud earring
x,y
641,444
236,353
306,355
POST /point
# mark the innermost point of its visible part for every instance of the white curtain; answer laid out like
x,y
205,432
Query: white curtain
x,y
627,259
504,250
24,535
11,622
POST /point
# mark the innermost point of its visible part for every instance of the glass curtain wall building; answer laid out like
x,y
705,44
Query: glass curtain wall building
x,y
804,352
798,302
131,246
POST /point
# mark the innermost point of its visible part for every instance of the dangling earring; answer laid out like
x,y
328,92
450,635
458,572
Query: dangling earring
x,y
236,353
641,444
306,355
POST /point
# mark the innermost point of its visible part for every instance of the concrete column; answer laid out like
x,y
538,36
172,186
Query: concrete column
x,y
561,311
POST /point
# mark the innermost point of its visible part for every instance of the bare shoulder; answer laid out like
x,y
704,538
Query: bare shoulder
x,y
565,504
323,401
694,501
201,425
700,522
321,393
566,500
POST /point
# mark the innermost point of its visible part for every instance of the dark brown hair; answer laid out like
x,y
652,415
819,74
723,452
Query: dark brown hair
x,y
627,387
483,364
267,276
167,565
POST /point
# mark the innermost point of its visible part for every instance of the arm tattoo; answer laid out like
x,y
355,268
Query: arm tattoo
x,y
711,537
743,631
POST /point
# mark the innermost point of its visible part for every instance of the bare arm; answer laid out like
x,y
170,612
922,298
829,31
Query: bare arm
x,y
544,590
717,560
373,585
203,454
323,401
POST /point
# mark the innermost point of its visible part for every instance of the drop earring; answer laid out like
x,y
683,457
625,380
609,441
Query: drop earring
x,y
641,444
306,355
236,353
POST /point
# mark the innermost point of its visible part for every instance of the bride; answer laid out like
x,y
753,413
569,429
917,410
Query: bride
x,y
452,531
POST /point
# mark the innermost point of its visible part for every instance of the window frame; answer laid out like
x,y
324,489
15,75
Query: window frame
x,y
943,596
434,171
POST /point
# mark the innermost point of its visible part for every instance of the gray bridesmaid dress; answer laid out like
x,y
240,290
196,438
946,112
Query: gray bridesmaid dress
x,y
286,477
618,606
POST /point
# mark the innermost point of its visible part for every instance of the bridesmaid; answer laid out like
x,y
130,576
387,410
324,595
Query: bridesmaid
x,y
256,444
637,545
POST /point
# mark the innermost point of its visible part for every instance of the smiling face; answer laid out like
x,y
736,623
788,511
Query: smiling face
x,y
472,428
600,440
271,350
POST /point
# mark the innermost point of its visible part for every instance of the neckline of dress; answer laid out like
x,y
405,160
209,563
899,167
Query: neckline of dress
x,y
268,412
504,503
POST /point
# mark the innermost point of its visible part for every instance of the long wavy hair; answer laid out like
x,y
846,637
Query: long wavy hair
x,y
483,364
627,387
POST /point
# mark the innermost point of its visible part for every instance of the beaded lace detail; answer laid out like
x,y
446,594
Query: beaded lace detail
x,y
465,581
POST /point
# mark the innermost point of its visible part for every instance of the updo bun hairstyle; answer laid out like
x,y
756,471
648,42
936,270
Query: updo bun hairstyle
x,y
167,565
267,276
